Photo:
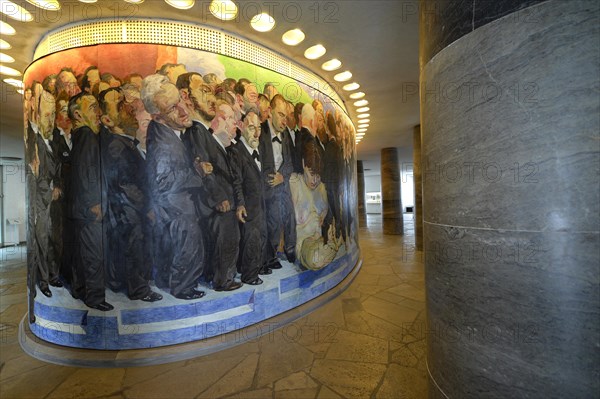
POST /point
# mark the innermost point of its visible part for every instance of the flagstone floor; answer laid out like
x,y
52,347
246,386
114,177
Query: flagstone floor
x,y
369,342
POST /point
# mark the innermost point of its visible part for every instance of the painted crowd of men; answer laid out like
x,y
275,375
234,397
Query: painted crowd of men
x,y
177,178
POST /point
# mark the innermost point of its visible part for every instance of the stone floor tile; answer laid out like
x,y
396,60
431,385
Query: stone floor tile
x,y
263,393
89,383
352,346
37,383
365,323
419,348
299,380
306,393
365,278
350,379
408,291
405,357
135,375
402,383
390,281
370,289
395,345
12,298
375,267
181,381
18,365
396,314
277,361
326,393
240,378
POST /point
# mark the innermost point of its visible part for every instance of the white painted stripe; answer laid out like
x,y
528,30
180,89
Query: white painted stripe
x,y
58,326
174,325
315,283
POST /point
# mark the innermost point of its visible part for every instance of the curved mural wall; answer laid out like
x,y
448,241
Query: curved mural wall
x,y
169,201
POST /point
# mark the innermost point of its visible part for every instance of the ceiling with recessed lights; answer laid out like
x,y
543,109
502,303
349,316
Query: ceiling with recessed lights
x,y
366,50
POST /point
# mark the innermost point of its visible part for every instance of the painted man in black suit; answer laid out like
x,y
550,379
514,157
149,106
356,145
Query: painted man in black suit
x,y
277,168
223,225
215,204
174,182
124,169
47,190
249,200
298,137
62,231
331,178
32,172
291,125
87,202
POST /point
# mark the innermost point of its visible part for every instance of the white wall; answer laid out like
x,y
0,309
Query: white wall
x,y
13,187
407,191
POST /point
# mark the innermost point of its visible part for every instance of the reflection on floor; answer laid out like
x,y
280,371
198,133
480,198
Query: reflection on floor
x,y
368,342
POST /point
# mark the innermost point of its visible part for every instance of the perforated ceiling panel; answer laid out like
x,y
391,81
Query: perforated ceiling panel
x,y
183,35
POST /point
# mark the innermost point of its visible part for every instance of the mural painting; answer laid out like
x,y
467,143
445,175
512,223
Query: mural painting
x,y
158,171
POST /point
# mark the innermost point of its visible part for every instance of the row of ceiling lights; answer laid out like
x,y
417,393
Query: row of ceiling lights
x,y
225,10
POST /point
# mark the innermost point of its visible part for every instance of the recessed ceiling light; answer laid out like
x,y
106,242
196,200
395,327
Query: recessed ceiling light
x,y
360,103
46,4
363,125
357,95
262,22
6,58
363,115
15,11
4,45
361,130
364,121
4,70
360,134
6,29
314,52
14,82
363,109
293,37
181,4
135,1
332,65
343,76
351,86
88,1
225,10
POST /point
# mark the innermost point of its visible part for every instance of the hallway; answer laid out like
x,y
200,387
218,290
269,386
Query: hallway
x,y
367,342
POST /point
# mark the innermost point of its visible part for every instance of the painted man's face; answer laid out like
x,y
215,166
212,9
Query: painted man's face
x,y
47,115
203,98
172,109
251,130
279,116
89,113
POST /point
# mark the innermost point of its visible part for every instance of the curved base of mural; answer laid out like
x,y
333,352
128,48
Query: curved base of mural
x,y
137,325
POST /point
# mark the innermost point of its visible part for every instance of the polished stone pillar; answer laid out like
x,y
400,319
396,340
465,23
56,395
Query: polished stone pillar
x,y
391,205
418,210
362,209
510,165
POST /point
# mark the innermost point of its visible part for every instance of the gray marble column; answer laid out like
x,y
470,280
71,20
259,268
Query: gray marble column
x,y
391,204
362,209
510,166
418,211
